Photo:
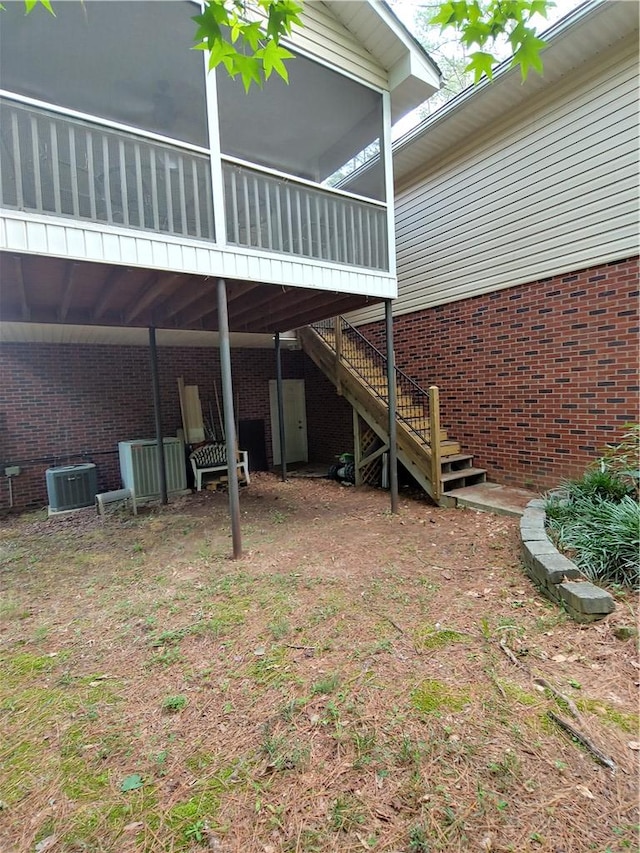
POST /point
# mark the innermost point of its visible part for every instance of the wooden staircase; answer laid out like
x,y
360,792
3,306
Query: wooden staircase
x,y
359,372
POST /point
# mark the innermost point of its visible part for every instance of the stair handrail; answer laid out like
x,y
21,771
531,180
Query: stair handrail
x,y
322,327
323,324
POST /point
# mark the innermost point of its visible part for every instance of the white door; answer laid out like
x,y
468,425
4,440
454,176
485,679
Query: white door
x,y
295,420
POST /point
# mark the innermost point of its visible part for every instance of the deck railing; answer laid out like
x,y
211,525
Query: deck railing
x,y
54,163
59,163
276,213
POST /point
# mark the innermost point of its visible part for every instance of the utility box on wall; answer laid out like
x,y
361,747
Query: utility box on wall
x,y
139,466
71,487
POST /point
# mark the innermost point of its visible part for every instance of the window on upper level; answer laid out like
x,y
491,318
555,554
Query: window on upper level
x,y
321,126
98,58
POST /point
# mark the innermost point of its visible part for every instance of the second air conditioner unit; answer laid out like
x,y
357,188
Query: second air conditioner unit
x,y
139,466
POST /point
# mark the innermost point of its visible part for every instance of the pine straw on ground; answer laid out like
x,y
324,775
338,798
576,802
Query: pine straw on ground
x,y
340,688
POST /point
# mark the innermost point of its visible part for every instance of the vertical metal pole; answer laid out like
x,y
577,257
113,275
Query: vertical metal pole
x,y
283,447
229,419
391,382
357,447
155,383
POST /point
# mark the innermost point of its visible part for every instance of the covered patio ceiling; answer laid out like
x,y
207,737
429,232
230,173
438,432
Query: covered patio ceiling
x,y
41,289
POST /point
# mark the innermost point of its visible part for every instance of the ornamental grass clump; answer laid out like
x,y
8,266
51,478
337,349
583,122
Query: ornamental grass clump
x,y
596,519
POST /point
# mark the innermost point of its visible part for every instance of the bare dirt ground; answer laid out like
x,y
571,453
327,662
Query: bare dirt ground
x,y
343,687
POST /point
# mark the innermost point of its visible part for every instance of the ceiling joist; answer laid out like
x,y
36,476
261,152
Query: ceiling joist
x,y
156,286
68,293
22,292
47,290
107,290
189,291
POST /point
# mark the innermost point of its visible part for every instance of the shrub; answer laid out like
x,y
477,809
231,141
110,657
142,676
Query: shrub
x,y
623,459
597,518
603,537
596,483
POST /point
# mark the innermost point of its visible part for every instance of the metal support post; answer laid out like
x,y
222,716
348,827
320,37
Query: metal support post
x,y
229,419
391,383
157,412
283,448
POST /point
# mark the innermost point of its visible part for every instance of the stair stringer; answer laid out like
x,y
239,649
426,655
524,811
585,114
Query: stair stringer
x,y
383,435
415,457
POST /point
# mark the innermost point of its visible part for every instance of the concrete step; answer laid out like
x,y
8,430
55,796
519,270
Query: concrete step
x,y
492,497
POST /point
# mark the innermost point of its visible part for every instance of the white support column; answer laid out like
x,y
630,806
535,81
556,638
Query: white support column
x,y
388,180
217,182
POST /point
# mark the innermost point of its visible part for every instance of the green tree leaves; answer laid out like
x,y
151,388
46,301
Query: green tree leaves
x,y
244,36
480,22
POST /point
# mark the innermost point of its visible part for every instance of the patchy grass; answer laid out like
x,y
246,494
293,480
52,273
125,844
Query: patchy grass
x,y
340,688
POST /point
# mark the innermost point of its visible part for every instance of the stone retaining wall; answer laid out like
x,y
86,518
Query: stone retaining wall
x,y
555,575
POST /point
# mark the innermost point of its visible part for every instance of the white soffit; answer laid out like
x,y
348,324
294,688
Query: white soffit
x,y
413,75
52,333
588,31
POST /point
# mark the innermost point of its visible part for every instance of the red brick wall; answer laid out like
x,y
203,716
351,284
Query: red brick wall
x,y
330,418
536,379
63,404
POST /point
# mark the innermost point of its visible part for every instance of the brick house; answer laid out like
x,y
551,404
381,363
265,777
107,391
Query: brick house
x,y
134,185
517,252
516,237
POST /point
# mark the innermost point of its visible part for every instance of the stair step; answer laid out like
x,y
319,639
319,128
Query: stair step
x,y
465,477
459,462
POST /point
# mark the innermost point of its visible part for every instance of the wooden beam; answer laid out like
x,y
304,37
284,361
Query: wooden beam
x,y
189,296
107,291
68,292
297,320
204,306
22,291
241,289
155,286
357,447
391,393
255,309
292,302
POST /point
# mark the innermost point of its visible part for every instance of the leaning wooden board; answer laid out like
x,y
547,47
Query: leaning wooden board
x,y
191,411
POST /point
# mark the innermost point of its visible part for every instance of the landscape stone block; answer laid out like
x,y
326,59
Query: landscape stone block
x,y
532,533
536,503
586,598
549,570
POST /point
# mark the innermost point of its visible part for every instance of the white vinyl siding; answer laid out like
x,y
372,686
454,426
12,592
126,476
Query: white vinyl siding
x,y
551,188
325,37
87,241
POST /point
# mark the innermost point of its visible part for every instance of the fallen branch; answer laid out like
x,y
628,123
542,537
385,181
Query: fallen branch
x,y
542,682
514,660
600,757
389,620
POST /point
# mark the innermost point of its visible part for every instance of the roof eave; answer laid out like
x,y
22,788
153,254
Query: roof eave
x,y
592,27
413,76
